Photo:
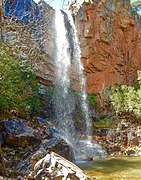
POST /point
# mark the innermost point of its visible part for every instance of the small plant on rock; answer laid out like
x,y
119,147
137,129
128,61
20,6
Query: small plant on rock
x,y
91,99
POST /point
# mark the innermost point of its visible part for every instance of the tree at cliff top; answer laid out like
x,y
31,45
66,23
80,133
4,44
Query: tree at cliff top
x,y
136,5
136,8
18,85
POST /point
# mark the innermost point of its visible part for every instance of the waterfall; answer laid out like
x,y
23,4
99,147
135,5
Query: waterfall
x,y
69,65
78,66
63,103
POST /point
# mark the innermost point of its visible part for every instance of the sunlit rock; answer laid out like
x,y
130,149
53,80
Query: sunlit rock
x,y
53,166
110,43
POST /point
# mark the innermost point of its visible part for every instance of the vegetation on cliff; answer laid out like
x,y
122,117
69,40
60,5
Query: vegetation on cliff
x,y
127,98
18,88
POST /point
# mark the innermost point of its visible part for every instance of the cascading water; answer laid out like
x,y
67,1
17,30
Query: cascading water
x,y
63,103
68,63
77,65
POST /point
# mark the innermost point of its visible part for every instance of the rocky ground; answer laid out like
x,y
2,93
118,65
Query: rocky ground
x,y
124,140
23,144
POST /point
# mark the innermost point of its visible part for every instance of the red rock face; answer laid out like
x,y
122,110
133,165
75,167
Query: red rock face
x,y
110,43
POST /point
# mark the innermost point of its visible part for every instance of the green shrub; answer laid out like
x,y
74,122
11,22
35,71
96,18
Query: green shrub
x,y
91,99
136,5
18,85
127,98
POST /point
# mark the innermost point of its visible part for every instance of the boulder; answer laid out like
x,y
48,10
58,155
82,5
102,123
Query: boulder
x,y
56,144
16,132
60,146
51,132
27,146
54,166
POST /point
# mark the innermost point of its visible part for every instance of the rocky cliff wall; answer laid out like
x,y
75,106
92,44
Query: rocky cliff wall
x,y
110,43
109,37
27,29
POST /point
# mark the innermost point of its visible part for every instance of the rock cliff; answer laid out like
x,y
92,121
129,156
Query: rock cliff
x,y
109,37
27,28
110,43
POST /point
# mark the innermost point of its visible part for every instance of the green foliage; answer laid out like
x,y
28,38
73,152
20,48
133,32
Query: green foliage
x,y
127,98
99,124
136,5
18,85
49,92
91,99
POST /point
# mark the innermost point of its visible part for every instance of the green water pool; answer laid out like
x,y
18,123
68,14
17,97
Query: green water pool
x,y
113,168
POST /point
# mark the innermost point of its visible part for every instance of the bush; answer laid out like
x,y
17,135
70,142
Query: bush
x,y
91,99
136,5
18,85
127,98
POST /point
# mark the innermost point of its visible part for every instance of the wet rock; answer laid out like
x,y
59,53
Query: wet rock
x,y
16,132
51,132
41,120
60,146
26,163
23,157
1,139
53,166
37,156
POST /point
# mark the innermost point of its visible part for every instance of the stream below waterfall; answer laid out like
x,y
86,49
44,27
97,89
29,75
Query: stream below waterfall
x,y
112,168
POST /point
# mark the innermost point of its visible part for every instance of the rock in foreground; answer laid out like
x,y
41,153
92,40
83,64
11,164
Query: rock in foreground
x,y
54,166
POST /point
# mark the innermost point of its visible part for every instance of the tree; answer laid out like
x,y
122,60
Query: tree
x,y
136,5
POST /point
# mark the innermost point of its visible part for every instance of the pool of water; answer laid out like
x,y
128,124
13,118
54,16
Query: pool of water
x,y
113,168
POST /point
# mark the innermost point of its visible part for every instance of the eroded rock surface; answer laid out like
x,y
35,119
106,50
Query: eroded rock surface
x,y
16,132
110,43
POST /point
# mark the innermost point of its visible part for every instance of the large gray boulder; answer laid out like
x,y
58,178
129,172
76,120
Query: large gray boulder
x,y
16,132
54,166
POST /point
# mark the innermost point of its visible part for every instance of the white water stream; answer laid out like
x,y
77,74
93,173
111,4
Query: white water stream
x,y
68,62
